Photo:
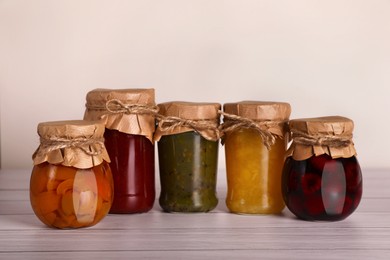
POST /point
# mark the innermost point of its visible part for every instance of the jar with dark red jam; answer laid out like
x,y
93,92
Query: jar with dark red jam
x,y
322,179
129,116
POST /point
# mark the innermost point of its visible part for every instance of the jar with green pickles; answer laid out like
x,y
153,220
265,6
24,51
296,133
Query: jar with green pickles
x,y
188,141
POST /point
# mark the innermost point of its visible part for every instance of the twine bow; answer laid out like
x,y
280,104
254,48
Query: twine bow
x,y
321,140
52,144
115,106
169,123
233,122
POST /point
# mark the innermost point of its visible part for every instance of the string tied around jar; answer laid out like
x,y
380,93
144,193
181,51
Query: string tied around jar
x,y
336,141
55,143
115,106
168,123
233,122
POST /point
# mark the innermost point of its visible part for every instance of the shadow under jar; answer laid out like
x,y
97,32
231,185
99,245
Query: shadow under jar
x,y
322,179
129,116
71,184
188,143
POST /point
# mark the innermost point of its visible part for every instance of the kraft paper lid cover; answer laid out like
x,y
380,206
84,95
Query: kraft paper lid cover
x,y
203,116
76,143
136,123
260,111
330,135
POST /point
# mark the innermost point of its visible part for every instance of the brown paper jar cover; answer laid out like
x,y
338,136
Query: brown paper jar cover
x,y
260,111
89,131
198,112
136,124
319,128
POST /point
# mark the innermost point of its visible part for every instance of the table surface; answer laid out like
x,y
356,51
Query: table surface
x,y
214,235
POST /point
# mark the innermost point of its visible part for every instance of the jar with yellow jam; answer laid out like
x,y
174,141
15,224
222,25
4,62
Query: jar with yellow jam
x,y
255,139
71,184
188,140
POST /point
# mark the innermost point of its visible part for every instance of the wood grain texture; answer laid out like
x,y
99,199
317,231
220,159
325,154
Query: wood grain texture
x,y
214,235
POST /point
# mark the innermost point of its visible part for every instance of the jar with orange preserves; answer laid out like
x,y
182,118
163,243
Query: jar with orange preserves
x,y
71,184
255,144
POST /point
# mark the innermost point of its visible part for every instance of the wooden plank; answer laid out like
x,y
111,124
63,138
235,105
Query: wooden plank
x,y
187,222
218,234
281,254
266,238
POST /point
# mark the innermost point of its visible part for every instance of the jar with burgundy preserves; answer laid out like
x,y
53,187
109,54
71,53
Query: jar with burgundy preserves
x,y
188,140
255,140
129,117
71,184
322,179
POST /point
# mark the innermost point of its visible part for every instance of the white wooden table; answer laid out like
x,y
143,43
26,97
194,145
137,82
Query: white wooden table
x,y
215,235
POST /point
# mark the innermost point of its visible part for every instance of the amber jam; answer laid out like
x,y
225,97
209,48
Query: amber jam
x,y
253,173
322,188
132,166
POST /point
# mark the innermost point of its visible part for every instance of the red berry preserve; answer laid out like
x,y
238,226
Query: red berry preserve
x,y
322,188
129,116
322,179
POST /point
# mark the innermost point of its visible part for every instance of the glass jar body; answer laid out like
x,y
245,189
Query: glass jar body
x,y
322,188
68,197
253,173
132,166
188,172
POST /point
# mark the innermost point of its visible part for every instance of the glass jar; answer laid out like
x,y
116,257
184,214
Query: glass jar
x,y
71,184
130,122
322,179
187,137
255,144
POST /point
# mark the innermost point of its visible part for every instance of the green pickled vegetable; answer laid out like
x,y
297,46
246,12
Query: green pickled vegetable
x,y
188,173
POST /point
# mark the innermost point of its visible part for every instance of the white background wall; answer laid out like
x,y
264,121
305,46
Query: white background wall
x,y
324,57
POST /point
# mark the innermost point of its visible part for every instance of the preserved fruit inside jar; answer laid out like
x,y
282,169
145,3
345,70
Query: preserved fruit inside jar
x,y
132,166
322,188
322,179
255,139
253,173
188,172
68,197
